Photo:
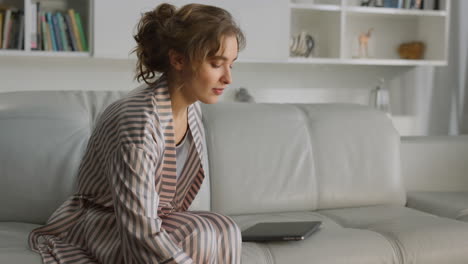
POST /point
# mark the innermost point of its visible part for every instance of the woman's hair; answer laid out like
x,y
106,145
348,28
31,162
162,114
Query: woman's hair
x,y
196,31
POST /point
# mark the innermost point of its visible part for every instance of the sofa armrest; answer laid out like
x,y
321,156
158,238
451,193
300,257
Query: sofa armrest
x,y
435,163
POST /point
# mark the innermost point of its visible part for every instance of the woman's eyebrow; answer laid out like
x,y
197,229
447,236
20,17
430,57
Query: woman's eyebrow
x,y
222,58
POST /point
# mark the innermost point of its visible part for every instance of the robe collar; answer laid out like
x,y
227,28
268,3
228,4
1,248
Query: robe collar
x,y
168,182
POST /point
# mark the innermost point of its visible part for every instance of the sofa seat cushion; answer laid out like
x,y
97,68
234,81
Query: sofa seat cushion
x,y
448,204
418,237
331,244
14,243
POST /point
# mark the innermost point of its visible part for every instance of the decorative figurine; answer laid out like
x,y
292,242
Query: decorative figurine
x,y
416,4
242,95
376,3
412,50
380,98
302,45
364,43
367,2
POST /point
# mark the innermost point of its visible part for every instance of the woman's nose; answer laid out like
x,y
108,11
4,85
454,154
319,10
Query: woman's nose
x,y
227,77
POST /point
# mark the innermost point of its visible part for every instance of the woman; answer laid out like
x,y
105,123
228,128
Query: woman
x,y
142,167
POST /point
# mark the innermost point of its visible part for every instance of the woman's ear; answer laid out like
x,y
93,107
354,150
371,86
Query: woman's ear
x,y
176,59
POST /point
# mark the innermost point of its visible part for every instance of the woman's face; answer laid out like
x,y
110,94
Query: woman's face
x,y
215,73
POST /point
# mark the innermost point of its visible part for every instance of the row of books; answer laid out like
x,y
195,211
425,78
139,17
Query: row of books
x,y
11,28
413,4
57,31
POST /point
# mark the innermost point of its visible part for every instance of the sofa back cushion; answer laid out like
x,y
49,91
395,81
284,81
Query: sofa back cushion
x,y
284,157
43,136
357,156
260,158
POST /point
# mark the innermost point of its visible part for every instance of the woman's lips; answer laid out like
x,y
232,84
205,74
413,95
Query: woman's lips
x,y
218,91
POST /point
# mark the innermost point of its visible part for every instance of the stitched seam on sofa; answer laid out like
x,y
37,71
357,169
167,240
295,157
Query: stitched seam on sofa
x,y
306,119
394,243
463,213
267,252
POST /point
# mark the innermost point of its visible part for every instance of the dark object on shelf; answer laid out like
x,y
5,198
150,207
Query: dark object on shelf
x,y
242,95
416,4
412,50
380,98
391,3
376,3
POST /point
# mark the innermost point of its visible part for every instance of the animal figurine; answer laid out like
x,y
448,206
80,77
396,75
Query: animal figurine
x,y
364,43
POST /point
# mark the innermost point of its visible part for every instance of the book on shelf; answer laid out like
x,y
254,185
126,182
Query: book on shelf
x,y
6,28
1,29
50,25
80,30
34,29
390,3
414,4
57,30
20,37
49,39
12,28
434,5
63,32
76,34
70,34
57,33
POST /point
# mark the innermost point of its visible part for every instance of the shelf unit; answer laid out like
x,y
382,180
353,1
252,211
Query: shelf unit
x,y
336,24
83,7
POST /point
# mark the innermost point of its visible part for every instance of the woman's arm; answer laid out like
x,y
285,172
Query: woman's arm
x,y
132,180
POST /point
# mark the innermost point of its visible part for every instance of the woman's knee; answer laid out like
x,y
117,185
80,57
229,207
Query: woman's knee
x,y
224,225
190,226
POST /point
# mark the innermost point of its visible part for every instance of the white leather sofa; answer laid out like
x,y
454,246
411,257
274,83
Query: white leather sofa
x,y
342,164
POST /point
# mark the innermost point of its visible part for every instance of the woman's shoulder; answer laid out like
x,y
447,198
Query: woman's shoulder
x,y
138,103
133,119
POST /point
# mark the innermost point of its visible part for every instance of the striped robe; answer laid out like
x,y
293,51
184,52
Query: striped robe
x,y
129,207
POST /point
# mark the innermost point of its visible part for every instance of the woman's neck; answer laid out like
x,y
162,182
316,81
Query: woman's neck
x,y
179,105
179,100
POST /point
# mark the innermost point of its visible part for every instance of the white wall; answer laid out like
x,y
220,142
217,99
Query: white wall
x,y
267,82
279,83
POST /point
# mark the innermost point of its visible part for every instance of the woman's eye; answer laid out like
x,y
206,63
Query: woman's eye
x,y
214,65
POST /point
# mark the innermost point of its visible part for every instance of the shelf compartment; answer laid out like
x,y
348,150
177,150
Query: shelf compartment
x,y
317,7
81,7
324,27
383,62
394,11
390,31
318,2
39,53
443,6
14,5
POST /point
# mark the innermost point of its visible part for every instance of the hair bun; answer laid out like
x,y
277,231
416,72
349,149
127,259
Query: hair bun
x,y
163,13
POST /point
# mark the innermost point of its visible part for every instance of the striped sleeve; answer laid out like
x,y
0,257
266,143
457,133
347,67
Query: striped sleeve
x,y
131,177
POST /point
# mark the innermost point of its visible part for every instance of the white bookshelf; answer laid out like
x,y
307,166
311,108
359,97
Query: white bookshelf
x,y
394,11
83,7
336,24
388,62
318,7
40,53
